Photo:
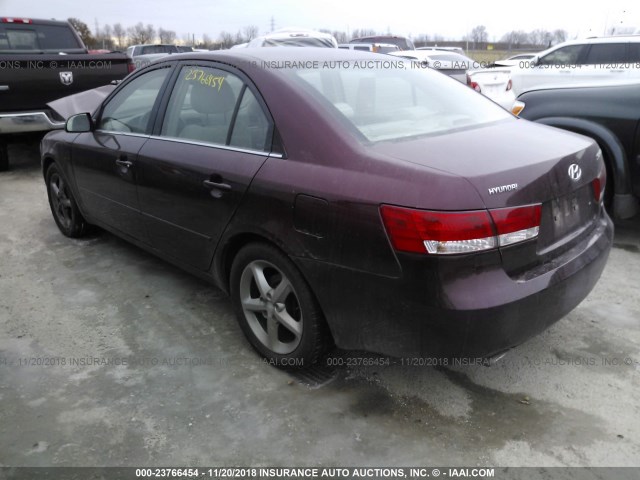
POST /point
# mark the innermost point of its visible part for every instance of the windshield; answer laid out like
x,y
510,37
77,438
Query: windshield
x,y
398,99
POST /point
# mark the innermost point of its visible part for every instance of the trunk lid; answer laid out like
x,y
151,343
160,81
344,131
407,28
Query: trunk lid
x,y
513,164
491,82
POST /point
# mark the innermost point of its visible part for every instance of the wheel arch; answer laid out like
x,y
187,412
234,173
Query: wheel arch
x,y
232,244
615,157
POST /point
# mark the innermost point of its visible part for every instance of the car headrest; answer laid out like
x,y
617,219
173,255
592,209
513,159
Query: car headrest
x,y
217,97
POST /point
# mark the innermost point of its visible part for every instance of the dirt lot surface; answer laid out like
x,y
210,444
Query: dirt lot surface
x,y
111,357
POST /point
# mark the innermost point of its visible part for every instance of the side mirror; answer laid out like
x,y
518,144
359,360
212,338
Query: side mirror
x,y
79,123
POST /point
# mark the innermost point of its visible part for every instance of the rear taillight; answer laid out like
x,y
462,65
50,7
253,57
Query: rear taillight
x,y
473,84
599,184
131,66
447,233
516,224
509,85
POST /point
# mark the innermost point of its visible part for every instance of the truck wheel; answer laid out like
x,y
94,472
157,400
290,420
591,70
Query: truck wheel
x,y
63,205
4,156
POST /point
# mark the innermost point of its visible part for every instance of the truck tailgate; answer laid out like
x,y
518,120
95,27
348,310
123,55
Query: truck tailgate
x,y
29,81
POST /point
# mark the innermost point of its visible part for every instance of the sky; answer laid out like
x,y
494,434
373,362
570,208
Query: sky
x,y
448,19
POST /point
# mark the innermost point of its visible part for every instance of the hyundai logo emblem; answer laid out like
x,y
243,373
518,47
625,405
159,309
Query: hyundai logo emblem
x,y
575,172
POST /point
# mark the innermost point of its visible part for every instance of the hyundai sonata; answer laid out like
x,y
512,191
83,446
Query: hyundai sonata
x,y
338,196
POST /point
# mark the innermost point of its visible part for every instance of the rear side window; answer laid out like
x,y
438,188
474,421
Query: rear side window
x,y
214,106
634,52
604,53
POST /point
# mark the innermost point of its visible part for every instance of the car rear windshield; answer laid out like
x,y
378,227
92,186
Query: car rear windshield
x,y
37,37
400,42
299,42
391,100
148,49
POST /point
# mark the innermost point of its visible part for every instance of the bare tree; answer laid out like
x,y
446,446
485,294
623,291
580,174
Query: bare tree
x,y
479,36
362,32
120,34
341,37
105,38
83,30
250,32
206,42
139,34
226,40
515,38
559,36
166,36
421,40
540,37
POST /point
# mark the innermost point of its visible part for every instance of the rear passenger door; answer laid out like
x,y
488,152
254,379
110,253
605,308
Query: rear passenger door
x,y
605,62
214,136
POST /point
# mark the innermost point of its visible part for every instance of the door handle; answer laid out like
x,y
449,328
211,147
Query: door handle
x,y
217,185
124,163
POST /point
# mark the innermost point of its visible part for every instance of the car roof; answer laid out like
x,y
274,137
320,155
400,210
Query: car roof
x,y
426,54
251,55
28,20
593,40
288,32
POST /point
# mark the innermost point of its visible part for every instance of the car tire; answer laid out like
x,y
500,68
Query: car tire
x,y
4,156
63,204
276,308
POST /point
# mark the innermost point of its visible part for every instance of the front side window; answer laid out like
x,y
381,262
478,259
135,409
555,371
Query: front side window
x,y
569,55
214,106
129,110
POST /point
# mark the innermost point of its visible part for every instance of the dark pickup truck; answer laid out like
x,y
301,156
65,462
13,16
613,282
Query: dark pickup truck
x,y
608,113
41,61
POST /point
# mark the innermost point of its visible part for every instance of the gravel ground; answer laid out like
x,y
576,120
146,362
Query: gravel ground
x,y
157,373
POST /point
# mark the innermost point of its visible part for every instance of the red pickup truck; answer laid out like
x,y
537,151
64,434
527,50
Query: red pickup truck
x,y
41,61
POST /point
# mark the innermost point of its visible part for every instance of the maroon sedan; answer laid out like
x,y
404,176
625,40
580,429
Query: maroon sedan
x,y
341,197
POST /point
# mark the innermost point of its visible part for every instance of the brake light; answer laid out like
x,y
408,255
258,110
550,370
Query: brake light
x,y
131,66
446,233
509,85
599,183
473,84
15,20
516,224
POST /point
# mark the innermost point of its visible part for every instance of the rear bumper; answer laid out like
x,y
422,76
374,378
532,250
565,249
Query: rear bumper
x,y
23,122
444,311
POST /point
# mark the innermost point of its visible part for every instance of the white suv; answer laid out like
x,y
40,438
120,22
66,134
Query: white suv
x,y
588,61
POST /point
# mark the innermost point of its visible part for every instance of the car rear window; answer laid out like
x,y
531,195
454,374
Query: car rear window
x,y
37,37
148,49
299,42
397,100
